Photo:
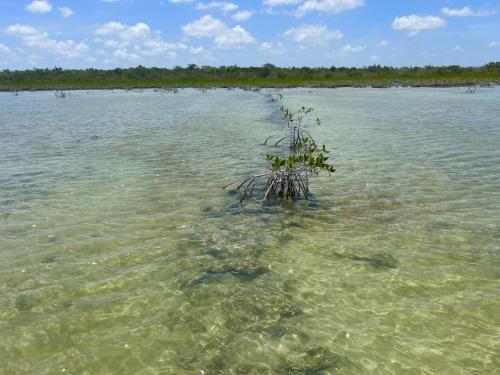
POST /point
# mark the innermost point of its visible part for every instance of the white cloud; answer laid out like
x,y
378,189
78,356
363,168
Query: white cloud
x,y
39,6
197,50
110,28
68,48
327,6
414,24
33,38
492,44
351,49
382,43
155,47
33,59
66,12
223,6
134,42
124,33
236,37
312,34
224,37
4,49
20,30
242,15
180,1
201,52
465,12
374,58
206,26
124,54
272,48
458,48
455,12
273,3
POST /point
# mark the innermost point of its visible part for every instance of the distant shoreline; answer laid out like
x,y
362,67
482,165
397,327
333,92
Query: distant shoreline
x,y
265,76
60,86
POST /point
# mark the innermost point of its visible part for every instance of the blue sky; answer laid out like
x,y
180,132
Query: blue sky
x,y
165,33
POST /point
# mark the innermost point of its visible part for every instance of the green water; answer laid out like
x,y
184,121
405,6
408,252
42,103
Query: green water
x,y
120,254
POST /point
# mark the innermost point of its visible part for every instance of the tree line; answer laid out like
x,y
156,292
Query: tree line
x,y
193,74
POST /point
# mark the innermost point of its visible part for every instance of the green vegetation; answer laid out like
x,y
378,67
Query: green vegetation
x,y
289,175
267,75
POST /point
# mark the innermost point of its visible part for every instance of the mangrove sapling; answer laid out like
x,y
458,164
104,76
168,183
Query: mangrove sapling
x,y
273,96
296,123
471,90
288,177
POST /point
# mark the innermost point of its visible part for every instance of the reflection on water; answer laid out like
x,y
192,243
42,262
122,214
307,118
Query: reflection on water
x,y
120,253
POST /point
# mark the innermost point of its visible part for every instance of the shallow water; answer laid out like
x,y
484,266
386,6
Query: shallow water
x,y
119,252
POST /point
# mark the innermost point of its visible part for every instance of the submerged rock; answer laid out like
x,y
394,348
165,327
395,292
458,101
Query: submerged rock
x,y
292,224
277,330
206,208
313,361
285,237
24,302
253,369
243,267
259,311
67,303
379,260
223,364
246,268
51,258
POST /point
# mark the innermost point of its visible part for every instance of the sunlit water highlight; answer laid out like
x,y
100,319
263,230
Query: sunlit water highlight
x,y
119,252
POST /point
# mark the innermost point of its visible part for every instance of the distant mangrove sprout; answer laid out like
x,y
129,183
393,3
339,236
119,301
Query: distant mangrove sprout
x,y
60,94
288,175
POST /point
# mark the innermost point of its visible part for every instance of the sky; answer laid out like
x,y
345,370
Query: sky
x,y
165,33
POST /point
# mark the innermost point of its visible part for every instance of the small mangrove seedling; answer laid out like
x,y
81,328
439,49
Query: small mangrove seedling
x,y
471,90
288,176
274,96
60,94
296,123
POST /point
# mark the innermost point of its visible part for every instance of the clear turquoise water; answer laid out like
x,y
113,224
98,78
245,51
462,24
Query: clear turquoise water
x,y
120,254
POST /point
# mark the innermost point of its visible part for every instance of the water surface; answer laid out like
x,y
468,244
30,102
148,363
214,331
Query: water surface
x,y
119,252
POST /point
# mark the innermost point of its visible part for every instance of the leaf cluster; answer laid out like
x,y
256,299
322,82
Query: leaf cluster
x,y
307,156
